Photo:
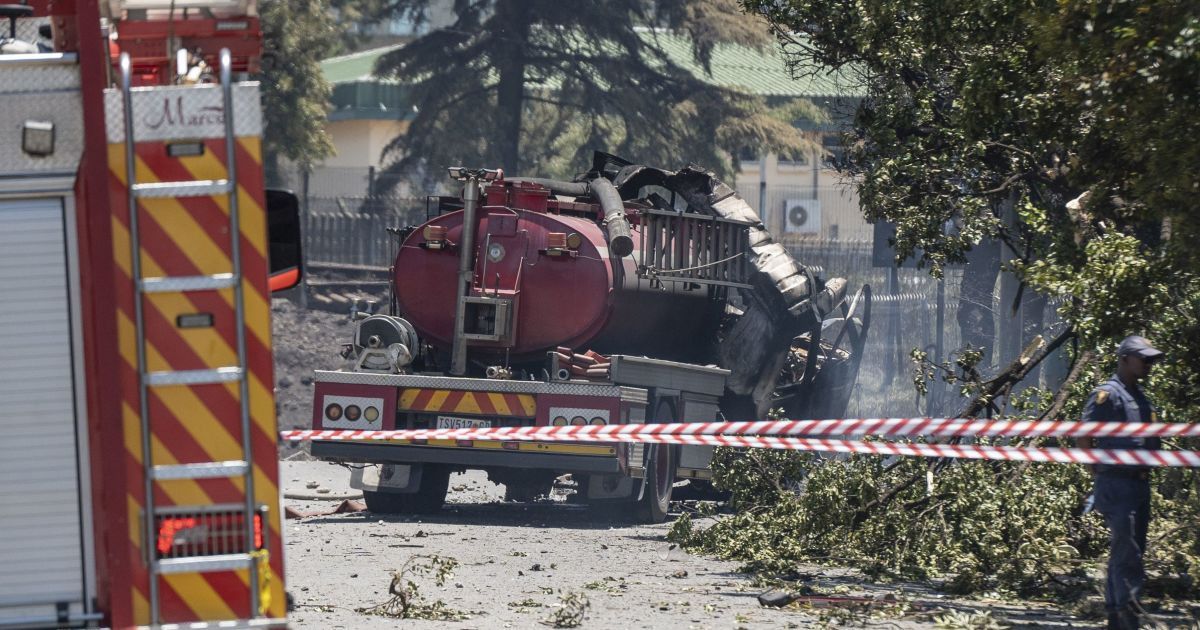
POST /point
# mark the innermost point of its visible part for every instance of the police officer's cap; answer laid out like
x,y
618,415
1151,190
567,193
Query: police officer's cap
x,y
1140,347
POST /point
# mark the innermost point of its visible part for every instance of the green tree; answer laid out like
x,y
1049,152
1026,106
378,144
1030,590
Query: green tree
x,y
297,35
1065,129
975,107
535,86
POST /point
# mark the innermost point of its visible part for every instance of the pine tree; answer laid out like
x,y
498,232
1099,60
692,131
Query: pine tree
x,y
535,85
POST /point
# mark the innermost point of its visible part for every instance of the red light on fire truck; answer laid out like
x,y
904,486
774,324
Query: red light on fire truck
x,y
205,534
167,528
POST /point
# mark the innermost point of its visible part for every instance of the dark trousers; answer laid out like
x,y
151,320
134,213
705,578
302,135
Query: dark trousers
x,y
1124,500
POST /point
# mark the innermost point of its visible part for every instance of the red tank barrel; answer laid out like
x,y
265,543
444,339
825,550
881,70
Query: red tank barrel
x,y
544,276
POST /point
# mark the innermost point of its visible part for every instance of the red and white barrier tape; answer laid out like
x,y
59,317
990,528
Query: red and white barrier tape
x,y
705,434
890,427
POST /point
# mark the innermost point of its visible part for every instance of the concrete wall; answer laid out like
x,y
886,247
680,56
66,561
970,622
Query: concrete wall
x,y
841,217
358,146
360,143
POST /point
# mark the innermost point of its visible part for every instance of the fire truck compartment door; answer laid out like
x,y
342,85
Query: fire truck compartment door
x,y
44,544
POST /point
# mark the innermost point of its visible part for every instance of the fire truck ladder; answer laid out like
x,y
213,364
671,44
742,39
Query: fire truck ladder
x,y
236,552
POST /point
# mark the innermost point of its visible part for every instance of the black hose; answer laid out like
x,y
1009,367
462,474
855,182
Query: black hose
x,y
574,189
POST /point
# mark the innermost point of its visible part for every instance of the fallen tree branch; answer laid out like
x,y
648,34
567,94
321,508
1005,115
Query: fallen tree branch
x,y
886,498
1064,390
1030,358
1016,371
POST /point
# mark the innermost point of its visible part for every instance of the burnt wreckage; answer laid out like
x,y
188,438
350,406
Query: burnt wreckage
x,y
684,287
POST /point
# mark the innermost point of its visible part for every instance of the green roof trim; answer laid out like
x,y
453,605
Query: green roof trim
x,y
359,94
359,66
763,73
370,100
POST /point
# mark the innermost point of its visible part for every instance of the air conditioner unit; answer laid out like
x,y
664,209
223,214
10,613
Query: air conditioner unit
x,y
802,216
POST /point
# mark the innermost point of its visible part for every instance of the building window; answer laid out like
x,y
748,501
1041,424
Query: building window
x,y
748,155
793,161
835,153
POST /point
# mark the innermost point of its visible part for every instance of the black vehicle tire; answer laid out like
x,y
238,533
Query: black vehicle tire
x,y
660,481
579,497
661,460
429,497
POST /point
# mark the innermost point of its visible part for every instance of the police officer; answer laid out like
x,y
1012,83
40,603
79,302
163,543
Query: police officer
x,y
1122,493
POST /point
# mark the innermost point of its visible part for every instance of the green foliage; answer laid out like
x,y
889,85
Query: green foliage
x,y
975,107
297,35
955,620
536,86
569,612
1066,130
1003,526
406,601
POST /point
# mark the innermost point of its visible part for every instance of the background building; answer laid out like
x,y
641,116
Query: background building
x,y
799,196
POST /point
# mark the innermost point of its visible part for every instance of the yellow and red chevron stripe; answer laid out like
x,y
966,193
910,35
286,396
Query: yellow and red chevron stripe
x,y
191,424
458,401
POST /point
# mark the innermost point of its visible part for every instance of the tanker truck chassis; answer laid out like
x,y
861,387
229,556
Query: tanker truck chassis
x,y
641,390
632,295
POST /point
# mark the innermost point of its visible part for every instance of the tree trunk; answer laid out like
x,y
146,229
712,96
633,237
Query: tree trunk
x,y
513,18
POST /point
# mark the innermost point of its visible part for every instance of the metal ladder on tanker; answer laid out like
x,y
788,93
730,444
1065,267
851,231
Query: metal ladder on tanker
x,y
222,374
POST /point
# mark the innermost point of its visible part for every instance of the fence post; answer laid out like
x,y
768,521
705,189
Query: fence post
x,y
762,189
306,226
935,387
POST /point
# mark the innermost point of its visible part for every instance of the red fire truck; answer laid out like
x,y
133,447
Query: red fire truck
x,y
139,450
631,295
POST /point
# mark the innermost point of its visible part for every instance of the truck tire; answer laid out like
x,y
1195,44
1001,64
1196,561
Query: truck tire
x,y
429,497
660,480
660,473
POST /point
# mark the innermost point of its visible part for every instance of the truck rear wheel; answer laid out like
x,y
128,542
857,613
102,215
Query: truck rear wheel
x,y
660,480
429,497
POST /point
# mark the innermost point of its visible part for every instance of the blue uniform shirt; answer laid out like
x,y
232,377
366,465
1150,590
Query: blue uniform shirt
x,y
1114,402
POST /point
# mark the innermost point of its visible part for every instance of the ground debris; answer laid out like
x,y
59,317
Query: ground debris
x,y
406,601
956,620
570,611
347,506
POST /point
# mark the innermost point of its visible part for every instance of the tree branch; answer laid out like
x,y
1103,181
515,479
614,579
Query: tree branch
x,y
1015,372
1064,390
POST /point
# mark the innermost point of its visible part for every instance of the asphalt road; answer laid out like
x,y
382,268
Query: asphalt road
x,y
517,561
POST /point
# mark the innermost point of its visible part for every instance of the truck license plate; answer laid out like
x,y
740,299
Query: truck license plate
x,y
450,422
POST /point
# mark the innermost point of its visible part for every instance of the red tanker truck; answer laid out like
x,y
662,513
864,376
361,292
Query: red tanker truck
x,y
631,295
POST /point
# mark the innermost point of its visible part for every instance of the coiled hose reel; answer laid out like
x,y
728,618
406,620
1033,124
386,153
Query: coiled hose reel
x,y
384,343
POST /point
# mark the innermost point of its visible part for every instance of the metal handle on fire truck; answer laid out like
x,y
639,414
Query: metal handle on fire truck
x,y
466,261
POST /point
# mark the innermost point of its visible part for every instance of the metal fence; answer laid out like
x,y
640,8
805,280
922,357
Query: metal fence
x,y
354,230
